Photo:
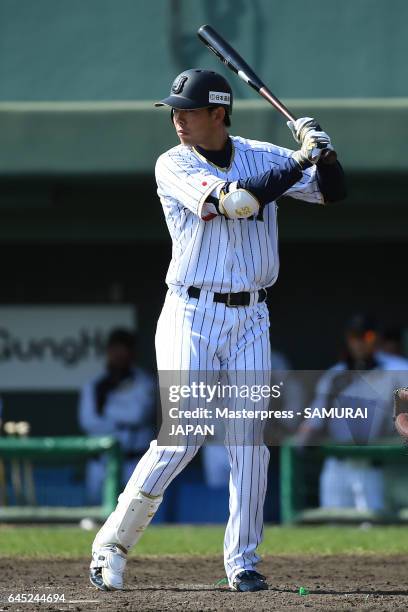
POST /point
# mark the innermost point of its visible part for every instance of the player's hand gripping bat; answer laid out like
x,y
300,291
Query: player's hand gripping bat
x,y
234,61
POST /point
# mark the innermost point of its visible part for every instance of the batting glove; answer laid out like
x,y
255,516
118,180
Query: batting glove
x,y
313,145
300,127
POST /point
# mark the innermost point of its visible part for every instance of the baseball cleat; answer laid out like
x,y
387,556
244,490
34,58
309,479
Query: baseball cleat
x,y
249,581
95,576
107,568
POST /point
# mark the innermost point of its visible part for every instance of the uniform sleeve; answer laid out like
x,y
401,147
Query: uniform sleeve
x,y
273,183
180,179
89,420
138,407
320,399
307,188
332,182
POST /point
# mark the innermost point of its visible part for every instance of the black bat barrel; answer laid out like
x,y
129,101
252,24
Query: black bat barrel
x,y
229,56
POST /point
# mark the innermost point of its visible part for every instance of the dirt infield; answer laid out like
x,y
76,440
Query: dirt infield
x,y
173,583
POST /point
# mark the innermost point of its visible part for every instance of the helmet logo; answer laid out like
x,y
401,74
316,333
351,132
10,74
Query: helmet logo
x,y
219,97
178,84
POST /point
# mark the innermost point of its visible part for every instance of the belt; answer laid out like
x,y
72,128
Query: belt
x,y
242,298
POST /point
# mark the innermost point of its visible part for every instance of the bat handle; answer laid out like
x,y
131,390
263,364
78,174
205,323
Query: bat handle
x,y
329,156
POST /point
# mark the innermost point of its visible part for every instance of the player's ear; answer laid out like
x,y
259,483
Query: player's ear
x,y
218,113
225,116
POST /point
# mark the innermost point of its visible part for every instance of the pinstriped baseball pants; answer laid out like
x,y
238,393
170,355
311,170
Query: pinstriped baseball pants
x,y
200,335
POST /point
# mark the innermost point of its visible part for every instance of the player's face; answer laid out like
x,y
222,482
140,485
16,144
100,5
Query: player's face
x,y
198,126
119,357
361,346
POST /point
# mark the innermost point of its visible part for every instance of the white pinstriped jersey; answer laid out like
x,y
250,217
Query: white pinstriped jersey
x,y
220,254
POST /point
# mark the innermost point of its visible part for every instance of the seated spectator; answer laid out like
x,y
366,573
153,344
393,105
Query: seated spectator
x,y
392,341
364,377
120,402
3,485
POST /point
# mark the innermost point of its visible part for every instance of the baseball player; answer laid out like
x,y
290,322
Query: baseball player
x,y
218,194
364,377
120,402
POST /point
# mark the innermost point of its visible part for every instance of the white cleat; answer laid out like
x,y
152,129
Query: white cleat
x,y
107,568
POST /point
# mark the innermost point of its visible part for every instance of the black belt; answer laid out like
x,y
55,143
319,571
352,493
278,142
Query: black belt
x,y
230,299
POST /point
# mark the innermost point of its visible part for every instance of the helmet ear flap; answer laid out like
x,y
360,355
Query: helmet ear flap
x,y
172,116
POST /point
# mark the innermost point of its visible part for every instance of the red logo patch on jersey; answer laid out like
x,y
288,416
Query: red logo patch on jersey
x,y
209,217
204,183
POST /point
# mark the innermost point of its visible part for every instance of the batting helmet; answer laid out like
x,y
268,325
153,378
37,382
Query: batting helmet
x,y
197,88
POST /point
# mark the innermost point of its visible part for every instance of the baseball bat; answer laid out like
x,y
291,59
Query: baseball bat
x,y
234,62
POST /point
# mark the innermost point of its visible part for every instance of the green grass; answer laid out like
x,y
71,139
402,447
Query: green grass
x,y
191,540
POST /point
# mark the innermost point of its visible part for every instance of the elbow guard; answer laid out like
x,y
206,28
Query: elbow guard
x,y
236,203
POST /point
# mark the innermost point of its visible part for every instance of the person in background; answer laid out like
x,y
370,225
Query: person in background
x,y
3,483
120,401
364,377
392,341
